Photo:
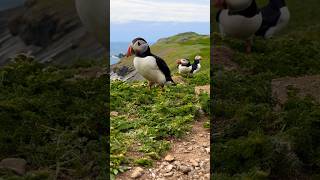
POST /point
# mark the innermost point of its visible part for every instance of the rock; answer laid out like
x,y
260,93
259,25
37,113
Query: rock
x,y
189,148
137,172
202,89
177,163
114,113
15,164
169,158
185,169
207,150
194,163
169,168
168,174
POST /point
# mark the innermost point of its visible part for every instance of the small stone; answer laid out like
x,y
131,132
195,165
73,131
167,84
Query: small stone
x,y
201,135
169,167
114,113
194,163
189,148
137,172
207,150
169,158
177,163
185,169
168,174
15,164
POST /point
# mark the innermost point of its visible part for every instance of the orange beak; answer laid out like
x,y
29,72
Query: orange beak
x,y
129,52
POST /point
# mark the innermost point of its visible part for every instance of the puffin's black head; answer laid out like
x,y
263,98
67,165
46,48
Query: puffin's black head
x,y
138,46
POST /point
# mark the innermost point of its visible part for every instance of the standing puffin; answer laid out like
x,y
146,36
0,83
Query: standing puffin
x,y
275,16
185,67
151,67
239,19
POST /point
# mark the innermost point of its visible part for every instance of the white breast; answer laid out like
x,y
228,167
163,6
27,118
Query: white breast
x,y
238,26
148,68
184,69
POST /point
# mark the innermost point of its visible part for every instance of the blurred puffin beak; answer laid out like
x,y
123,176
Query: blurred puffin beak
x,y
129,52
178,61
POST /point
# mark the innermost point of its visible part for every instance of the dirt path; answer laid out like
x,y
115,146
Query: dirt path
x,y
188,159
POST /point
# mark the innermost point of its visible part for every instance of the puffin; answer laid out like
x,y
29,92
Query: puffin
x,y
238,19
275,17
151,67
93,15
186,68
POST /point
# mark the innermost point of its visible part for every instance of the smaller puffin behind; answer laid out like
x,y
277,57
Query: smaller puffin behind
x,y
275,16
186,68
151,67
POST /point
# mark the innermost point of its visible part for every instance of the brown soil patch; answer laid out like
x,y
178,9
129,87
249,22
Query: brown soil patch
x,y
305,86
191,158
223,56
202,89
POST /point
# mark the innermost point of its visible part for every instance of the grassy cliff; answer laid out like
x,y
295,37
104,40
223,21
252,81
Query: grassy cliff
x,y
184,45
144,121
252,138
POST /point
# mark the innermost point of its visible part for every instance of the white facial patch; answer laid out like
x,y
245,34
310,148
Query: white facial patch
x,y
140,46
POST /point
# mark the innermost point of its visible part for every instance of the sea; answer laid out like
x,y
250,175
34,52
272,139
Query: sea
x,y
7,4
115,49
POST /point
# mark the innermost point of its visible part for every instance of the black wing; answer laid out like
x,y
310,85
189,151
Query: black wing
x,y
194,65
218,16
163,68
270,17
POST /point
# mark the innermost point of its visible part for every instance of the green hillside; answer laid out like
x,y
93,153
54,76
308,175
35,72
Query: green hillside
x,y
144,121
252,138
184,45
54,118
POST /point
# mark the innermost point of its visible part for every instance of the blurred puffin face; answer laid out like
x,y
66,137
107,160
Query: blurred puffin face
x,y
184,61
198,58
238,4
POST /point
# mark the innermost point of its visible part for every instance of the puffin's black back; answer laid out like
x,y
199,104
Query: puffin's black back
x,y
163,67
270,15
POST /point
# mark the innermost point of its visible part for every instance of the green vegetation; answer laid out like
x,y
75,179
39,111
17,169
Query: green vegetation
x,y
54,121
251,139
146,120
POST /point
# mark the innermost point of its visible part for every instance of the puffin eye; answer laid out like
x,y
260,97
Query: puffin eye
x,y
139,43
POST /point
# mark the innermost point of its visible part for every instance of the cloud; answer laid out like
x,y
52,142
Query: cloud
x,y
124,11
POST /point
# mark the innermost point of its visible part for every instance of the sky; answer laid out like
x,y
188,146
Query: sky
x,y
155,19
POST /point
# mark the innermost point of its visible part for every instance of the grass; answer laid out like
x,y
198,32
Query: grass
x,y
148,120
251,139
53,121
